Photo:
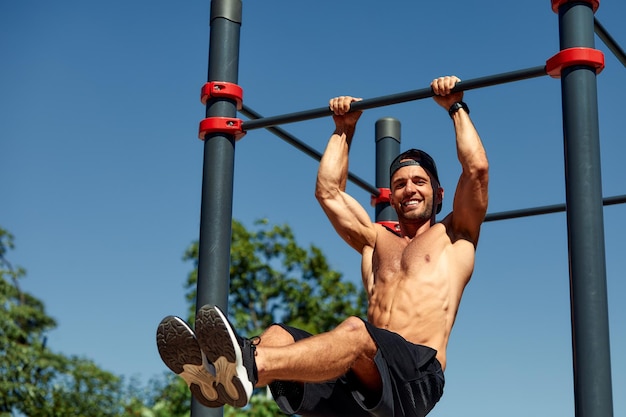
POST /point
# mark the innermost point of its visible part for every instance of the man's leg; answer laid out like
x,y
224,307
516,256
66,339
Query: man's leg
x,y
333,398
348,347
240,364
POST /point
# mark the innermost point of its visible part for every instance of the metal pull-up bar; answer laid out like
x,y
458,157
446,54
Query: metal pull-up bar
x,y
555,208
412,95
258,122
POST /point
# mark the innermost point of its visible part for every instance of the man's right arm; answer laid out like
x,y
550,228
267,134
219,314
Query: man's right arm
x,y
347,216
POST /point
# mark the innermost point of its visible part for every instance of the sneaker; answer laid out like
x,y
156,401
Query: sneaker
x,y
180,351
232,356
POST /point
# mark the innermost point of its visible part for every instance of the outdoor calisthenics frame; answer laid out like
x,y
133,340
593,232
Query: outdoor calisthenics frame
x,y
576,65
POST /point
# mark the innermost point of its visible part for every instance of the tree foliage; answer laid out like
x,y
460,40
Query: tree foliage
x,y
35,381
273,279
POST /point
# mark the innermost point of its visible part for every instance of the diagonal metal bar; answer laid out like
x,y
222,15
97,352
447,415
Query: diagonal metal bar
x,y
291,139
609,41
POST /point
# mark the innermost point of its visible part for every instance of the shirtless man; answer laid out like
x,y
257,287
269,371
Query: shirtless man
x,y
393,363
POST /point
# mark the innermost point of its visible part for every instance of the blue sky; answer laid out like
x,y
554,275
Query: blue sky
x,y
101,167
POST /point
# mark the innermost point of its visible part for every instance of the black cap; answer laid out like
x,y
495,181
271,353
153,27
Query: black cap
x,y
415,157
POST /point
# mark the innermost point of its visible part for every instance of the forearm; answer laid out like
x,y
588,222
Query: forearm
x,y
333,169
470,150
471,196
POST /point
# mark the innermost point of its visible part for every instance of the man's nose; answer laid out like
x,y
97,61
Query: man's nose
x,y
410,187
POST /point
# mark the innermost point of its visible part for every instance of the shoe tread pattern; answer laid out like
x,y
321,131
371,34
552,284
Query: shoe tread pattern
x,y
178,347
215,341
177,344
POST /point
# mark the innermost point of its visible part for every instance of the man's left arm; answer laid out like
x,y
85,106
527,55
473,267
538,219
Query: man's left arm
x,y
471,195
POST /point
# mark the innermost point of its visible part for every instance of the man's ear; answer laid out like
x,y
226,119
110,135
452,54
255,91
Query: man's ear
x,y
440,195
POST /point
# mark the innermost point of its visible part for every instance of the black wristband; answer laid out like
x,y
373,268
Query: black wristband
x,y
456,106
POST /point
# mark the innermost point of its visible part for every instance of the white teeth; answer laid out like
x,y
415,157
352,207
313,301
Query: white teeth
x,y
411,203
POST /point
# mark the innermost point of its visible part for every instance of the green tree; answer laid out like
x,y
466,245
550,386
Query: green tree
x,y
35,381
273,279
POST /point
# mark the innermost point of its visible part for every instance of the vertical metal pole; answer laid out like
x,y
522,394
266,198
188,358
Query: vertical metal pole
x,y
387,148
218,170
585,225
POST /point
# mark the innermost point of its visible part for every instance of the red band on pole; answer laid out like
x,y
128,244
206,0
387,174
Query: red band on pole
x,y
395,226
222,89
558,3
574,56
384,195
227,125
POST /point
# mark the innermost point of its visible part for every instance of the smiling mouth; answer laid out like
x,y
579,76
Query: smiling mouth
x,y
410,203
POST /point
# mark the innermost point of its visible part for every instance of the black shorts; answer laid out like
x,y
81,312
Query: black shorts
x,y
412,383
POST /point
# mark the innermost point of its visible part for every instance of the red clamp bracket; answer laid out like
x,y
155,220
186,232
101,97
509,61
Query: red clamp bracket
x,y
558,3
384,195
222,89
227,125
574,56
395,226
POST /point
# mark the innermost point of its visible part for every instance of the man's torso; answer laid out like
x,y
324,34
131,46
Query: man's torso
x,y
414,286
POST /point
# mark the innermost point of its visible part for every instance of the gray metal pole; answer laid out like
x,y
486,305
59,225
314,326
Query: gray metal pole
x,y
387,148
218,170
585,224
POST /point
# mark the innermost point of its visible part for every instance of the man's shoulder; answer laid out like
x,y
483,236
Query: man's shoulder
x,y
456,232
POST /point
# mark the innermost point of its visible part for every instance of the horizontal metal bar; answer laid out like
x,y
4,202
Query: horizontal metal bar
x,y
514,214
396,98
609,41
289,138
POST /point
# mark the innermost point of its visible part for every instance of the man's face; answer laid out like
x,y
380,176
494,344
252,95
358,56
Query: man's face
x,y
413,194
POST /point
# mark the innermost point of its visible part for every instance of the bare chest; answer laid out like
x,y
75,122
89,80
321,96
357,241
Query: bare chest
x,y
419,259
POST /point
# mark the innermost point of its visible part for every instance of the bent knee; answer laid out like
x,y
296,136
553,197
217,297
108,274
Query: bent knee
x,y
353,323
276,335
356,328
